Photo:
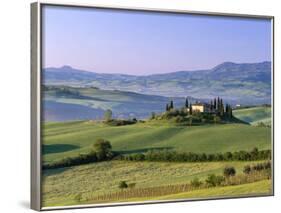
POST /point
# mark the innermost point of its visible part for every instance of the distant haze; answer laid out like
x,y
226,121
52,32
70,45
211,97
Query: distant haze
x,y
141,43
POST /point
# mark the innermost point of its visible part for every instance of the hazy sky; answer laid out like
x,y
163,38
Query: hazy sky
x,y
142,43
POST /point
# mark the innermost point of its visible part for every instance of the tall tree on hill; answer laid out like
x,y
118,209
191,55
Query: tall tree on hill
x,y
212,106
218,104
221,108
215,104
171,104
190,109
228,111
186,103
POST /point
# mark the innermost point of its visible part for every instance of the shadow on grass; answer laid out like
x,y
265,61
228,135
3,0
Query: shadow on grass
x,y
58,148
143,150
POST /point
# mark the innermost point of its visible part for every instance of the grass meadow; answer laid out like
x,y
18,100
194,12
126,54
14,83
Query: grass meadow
x,y
73,138
84,183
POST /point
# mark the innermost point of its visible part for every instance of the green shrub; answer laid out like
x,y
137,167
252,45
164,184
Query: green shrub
x,y
214,180
229,171
195,183
116,122
102,148
123,185
247,169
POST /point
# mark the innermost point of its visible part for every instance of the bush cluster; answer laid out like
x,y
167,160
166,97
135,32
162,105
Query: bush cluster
x,y
214,180
124,185
257,167
116,122
229,171
174,156
81,159
182,116
196,183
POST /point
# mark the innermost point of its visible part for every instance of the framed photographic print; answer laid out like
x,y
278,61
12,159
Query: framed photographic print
x,y
137,105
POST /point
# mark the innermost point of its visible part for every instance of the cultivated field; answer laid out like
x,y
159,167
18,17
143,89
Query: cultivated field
x,y
61,186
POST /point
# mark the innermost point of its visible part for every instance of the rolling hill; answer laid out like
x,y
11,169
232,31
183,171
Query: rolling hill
x,y
246,83
254,115
71,138
63,103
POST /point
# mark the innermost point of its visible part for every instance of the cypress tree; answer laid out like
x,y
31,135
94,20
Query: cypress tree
x,y
190,109
186,103
172,105
221,107
215,104
218,104
227,110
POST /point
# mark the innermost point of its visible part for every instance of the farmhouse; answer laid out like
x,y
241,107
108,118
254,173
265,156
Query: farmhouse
x,y
201,107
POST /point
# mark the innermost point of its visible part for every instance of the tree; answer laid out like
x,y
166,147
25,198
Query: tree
x,y
247,169
215,104
123,185
218,104
254,153
186,103
171,104
227,156
103,149
190,109
229,171
108,115
228,111
221,109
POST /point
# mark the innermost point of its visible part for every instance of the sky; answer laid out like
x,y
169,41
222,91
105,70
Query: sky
x,y
142,43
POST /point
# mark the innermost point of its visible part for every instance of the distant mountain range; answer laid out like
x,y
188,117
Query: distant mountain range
x,y
237,83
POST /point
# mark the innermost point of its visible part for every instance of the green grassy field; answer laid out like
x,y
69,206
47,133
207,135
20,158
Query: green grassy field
x,y
71,138
60,186
254,115
60,140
